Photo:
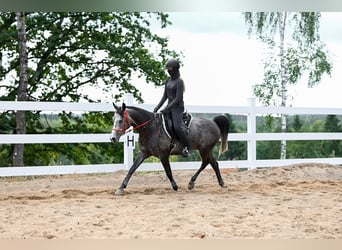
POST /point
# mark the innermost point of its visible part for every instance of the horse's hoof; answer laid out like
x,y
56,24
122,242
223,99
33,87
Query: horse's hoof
x,y
191,185
175,187
223,185
119,192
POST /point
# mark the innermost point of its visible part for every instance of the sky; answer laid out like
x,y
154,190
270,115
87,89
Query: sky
x,y
221,63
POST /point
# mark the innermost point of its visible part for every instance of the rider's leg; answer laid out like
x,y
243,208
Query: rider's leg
x,y
177,119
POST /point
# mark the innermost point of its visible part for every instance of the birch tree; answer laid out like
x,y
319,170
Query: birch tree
x,y
294,51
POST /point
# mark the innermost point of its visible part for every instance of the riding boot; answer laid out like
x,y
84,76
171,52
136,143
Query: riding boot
x,y
177,120
186,145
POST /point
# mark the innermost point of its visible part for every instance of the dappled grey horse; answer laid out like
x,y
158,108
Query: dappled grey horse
x,y
154,141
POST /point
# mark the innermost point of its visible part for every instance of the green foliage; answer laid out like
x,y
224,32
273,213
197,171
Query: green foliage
x,y
267,150
71,52
61,153
332,148
68,51
5,155
300,149
332,124
297,124
267,124
315,149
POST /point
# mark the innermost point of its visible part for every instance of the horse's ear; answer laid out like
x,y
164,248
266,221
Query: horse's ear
x,y
123,106
115,107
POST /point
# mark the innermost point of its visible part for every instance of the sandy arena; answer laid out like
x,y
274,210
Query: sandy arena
x,y
294,202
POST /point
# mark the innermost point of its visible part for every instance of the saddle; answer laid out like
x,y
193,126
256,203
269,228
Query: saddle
x,y
168,124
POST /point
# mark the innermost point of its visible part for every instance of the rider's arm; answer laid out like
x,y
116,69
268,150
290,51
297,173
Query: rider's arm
x,y
162,101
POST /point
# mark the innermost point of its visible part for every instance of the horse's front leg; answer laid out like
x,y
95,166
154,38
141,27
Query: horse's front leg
x,y
166,164
141,157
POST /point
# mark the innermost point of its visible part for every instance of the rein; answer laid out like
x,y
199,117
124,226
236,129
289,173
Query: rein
x,y
124,128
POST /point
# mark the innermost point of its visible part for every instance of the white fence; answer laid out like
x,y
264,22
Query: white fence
x,y
251,111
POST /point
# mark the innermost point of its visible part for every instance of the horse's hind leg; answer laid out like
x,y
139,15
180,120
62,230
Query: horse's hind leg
x,y
191,184
205,161
215,166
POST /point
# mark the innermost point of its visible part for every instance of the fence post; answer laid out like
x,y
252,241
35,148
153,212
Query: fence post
x,y
251,130
129,142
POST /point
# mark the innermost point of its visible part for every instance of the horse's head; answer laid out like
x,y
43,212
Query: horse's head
x,y
120,122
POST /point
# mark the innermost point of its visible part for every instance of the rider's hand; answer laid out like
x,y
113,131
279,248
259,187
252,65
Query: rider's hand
x,y
164,111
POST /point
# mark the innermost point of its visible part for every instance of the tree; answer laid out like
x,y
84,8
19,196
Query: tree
x,y
332,148
68,51
18,151
297,123
332,124
295,37
70,55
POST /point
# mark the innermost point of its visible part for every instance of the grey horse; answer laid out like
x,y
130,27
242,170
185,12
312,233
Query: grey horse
x,y
153,140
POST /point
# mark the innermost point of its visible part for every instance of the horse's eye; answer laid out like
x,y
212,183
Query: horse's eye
x,y
120,122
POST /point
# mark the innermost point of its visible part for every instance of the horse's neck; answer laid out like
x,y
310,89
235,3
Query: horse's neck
x,y
138,117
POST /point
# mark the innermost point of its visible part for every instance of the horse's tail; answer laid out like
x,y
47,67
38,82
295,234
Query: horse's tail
x,y
223,124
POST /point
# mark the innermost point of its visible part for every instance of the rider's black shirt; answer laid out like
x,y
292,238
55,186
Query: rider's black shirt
x,y
173,92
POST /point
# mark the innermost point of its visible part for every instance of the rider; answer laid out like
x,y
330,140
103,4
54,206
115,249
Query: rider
x,y
173,92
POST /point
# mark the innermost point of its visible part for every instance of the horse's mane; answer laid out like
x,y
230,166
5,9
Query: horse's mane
x,y
141,111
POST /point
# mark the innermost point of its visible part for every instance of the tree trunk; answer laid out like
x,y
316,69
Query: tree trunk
x,y
18,151
282,21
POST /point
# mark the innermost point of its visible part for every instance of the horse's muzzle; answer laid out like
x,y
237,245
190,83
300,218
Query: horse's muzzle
x,y
113,139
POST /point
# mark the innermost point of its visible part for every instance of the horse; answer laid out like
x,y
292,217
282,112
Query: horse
x,y
203,135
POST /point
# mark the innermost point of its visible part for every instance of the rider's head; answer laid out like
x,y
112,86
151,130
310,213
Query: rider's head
x,y
172,63
172,66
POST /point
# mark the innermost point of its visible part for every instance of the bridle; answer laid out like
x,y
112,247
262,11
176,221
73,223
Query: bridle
x,y
126,124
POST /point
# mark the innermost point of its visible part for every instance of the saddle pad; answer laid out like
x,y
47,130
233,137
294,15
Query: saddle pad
x,y
167,124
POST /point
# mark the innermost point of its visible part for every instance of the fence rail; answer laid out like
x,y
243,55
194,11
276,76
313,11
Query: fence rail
x,y
251,111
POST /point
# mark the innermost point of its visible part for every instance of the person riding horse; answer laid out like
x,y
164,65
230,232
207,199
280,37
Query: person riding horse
x,y
173,93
